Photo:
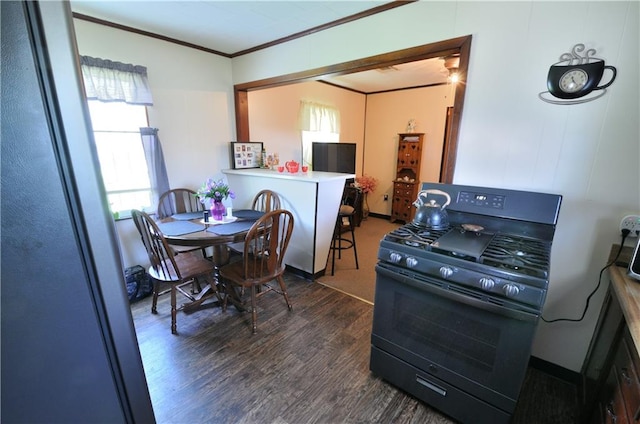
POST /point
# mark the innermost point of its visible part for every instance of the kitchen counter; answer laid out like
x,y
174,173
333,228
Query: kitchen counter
x,y
313,198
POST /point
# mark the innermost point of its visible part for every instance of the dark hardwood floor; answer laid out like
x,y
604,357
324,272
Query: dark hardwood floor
x,y
310,365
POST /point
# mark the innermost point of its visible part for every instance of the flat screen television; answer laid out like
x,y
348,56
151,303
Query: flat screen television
x,y
334,157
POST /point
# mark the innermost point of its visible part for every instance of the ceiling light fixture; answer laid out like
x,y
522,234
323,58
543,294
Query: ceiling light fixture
x,y
453,75
452,63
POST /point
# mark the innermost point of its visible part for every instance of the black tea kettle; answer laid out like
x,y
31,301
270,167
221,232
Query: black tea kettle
x,y
431,215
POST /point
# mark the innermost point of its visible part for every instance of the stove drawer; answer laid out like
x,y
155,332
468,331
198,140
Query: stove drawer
x,y
433,391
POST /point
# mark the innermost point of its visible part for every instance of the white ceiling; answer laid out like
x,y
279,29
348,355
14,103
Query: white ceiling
x,y
405,75
230,27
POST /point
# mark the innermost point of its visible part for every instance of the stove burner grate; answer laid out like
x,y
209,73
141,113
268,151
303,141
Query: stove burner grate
x,y
415,236
506,252
525,256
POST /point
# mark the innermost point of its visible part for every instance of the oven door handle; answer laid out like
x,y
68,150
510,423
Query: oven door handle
x,y
421,283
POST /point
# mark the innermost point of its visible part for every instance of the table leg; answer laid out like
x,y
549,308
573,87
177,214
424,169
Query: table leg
x,y
219,257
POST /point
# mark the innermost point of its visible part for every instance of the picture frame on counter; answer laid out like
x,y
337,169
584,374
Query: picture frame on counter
x,y
246,154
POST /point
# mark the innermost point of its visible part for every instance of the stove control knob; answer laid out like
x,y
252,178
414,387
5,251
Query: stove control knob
x,y
511,290
411,262
487,283
395,257
446,272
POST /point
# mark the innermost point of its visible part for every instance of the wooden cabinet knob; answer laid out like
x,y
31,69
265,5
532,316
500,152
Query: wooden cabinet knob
x,y
611,412
625,375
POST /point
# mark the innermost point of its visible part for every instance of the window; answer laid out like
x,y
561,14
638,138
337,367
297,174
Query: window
x,y
320,123
116,128
118,94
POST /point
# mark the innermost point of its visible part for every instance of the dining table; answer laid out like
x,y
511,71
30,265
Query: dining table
x,y
191,230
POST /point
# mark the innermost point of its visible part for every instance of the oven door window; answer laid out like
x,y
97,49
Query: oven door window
x,y
465,340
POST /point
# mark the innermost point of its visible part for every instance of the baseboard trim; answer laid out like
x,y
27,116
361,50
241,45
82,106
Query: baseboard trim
x,y
379,215
303,274
557,371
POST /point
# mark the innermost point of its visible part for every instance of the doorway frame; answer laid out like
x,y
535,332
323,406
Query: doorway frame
x,y
460,45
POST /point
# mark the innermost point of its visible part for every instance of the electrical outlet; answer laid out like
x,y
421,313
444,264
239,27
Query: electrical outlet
x,y
631,223
386,197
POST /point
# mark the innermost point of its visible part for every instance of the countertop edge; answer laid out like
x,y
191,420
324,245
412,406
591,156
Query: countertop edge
x,y
311,176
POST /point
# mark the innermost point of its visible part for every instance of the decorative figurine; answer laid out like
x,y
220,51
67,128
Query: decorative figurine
x,y
411,125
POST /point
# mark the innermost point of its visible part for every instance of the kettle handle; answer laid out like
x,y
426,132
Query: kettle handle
x,y
433,191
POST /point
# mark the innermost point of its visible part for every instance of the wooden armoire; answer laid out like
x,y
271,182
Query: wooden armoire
x,y
407,182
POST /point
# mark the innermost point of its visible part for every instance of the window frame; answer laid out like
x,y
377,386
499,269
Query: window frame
x,y
99,133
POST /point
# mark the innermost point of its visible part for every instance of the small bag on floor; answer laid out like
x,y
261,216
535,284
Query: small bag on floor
x,y
139,284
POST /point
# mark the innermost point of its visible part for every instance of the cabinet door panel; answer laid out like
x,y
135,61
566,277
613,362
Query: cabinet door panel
x,y
615,411
402,209
601,351
628,376
409,154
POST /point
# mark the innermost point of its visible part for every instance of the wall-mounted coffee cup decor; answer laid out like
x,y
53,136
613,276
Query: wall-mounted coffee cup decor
x,y
577,78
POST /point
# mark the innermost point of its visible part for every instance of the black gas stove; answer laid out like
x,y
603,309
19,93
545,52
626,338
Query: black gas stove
x,y
498,242
456,307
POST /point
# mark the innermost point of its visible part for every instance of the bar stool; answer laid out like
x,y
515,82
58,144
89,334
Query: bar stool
x,y
351,198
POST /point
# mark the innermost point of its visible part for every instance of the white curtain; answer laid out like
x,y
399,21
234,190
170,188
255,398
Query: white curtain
x,y
110,81
155,163
318,117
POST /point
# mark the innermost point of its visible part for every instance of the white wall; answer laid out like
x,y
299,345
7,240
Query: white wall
x,y
371,121
387,115
509,138
193,109
273,117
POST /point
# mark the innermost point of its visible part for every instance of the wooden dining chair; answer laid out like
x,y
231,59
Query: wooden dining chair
x,y
263,201
262,262
178,200
169,268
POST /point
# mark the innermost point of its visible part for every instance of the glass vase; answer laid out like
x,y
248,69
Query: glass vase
x,y
217,210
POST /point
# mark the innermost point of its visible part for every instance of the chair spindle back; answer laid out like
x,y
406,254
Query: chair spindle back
x,y
266,201
160,254
266,244
178,200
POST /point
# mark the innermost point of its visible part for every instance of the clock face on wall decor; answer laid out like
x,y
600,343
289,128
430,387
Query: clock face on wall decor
x,y
575,78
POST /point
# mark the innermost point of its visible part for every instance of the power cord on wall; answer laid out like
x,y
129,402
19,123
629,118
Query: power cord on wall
x,y
625,233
